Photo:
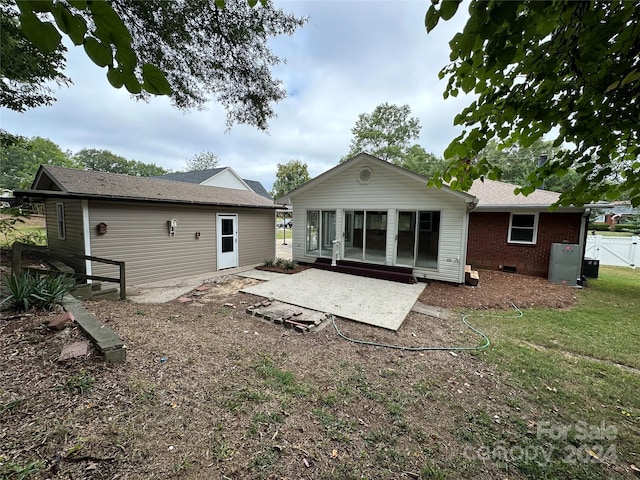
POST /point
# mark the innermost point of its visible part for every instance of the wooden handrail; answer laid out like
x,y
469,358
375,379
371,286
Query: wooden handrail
x,y
16,264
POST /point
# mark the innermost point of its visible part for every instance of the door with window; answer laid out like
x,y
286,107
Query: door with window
x,y
227,240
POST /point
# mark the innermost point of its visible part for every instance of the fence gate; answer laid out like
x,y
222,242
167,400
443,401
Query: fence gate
x,y
615,251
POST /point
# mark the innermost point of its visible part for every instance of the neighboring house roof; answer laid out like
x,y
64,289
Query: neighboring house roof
x,y
258,188
201,176
198,176
52,181
359,158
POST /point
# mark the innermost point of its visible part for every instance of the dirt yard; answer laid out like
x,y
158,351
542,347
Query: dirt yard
x,y
211,392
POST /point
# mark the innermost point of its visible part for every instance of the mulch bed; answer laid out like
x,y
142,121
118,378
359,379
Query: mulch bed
x,y
297,269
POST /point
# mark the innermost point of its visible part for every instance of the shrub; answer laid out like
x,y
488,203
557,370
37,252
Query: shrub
x,y
268,262
40,291
599,226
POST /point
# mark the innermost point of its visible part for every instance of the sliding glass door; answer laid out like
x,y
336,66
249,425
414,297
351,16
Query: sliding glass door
x,y
320,232
418,239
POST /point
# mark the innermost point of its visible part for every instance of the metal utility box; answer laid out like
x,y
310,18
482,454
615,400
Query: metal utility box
x,y
564,264
590,267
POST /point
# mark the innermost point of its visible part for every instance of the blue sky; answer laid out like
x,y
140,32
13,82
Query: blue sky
x,y
350,57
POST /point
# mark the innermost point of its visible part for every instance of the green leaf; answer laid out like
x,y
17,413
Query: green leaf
x,y
72,25
79,4
528,190
35,5
98,52
110,23
132,84
431,18
252,3
126,58
449,8
115,77
220,3
155,81
43,35
631,77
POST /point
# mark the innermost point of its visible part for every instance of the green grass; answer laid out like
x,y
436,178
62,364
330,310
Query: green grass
x,y
602,325
32,235
567,363
281,235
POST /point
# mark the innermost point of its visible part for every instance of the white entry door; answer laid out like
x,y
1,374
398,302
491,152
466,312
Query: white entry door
x,y
227,228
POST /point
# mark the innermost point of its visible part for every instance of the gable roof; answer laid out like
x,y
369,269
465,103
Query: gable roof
x,y
201,176
197,176
61,182
323,177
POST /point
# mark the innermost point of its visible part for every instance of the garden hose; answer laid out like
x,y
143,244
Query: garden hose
x,y
421,349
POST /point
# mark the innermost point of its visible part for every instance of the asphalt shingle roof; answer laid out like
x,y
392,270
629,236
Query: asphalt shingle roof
x,y
86,183
491,193
197,176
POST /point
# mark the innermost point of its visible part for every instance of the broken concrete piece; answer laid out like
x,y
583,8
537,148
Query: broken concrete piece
x,y
61,321
230,305
183,299
297,313
266,303
75,350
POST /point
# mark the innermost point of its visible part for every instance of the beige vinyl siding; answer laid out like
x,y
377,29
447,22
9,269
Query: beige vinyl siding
x,y
389,191
138,235
73,242
256,237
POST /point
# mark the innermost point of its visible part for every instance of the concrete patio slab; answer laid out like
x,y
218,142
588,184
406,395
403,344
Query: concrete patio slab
x,y
368,300
261,274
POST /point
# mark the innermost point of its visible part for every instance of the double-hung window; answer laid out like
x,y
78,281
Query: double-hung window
x,y
60,220
523,228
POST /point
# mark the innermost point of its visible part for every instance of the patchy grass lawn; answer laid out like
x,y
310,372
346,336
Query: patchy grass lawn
x,y
24,229
209,392
281,235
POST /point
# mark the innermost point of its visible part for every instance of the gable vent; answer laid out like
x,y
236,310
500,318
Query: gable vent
x,y
364,175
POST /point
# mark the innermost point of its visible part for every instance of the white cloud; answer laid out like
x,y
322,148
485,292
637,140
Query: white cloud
x,y
350,57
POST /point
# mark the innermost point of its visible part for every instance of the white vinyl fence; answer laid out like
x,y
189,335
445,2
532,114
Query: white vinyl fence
x,y
616,251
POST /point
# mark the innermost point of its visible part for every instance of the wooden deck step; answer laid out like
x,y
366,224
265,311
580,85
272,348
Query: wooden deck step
x,y
383,272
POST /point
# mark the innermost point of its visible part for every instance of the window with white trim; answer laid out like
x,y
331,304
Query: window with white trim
x,y
523,228
60,220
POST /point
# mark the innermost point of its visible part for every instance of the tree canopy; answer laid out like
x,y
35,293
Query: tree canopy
x,y
566,71
418,160
516,163
106,161
289,176
189,50
25,72
386,132
21,157
202,161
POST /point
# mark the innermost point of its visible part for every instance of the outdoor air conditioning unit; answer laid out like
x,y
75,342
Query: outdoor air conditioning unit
x,y
564,264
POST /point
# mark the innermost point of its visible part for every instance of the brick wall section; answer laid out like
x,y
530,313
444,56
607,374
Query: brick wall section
x,y
488,247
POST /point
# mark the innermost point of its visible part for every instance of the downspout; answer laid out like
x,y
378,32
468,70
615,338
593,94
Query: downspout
x,y
583,237
86,236
465,234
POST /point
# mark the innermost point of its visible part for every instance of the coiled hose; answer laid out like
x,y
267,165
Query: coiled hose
x,y
487,342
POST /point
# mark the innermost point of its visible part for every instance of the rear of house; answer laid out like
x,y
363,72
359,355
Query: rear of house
x,y
380,214
160,229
